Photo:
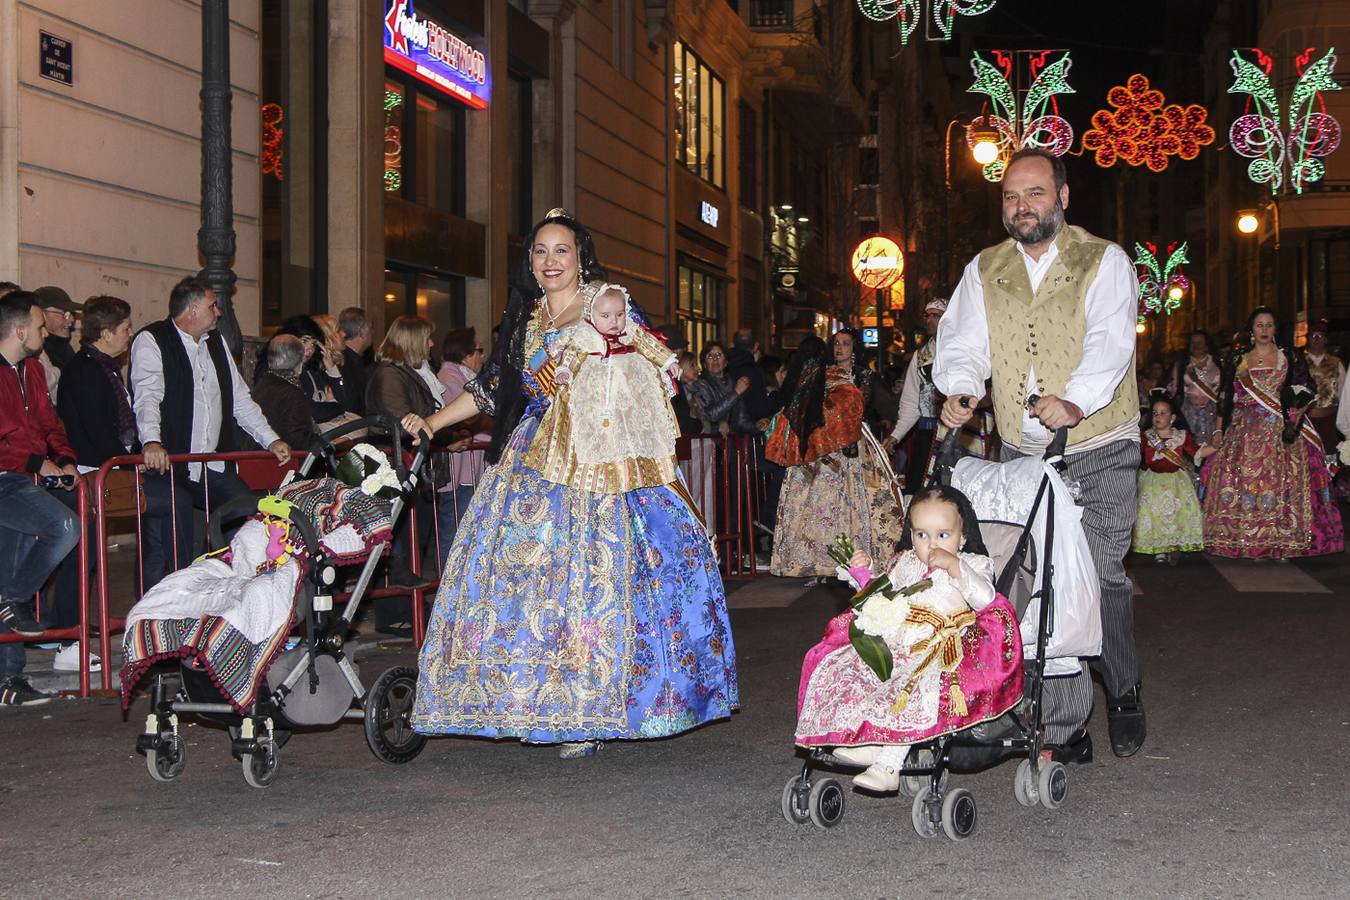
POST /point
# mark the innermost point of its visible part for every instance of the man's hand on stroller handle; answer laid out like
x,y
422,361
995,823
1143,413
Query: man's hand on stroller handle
x,y
957,410
1054,412
281,450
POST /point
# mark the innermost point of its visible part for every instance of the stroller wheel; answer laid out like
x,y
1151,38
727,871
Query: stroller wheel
x,y
959,815
168,761
921,816
826,803
389,706
261,767
1054,785
1024,785
795,801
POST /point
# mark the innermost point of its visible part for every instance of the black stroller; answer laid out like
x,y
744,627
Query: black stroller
x,y
936,808
314,684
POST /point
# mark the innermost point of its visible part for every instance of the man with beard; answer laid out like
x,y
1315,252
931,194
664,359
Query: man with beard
x,y
1049,316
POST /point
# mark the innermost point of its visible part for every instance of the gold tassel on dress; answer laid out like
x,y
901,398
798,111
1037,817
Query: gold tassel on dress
x,y
901,702
956,699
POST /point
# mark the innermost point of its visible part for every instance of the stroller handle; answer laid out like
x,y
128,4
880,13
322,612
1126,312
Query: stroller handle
x,y
323,443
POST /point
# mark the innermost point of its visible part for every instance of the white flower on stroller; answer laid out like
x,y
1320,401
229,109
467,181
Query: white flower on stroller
x,y
368,468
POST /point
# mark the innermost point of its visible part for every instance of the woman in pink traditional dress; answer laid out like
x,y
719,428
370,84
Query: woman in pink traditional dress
x,y
1268,490
949,648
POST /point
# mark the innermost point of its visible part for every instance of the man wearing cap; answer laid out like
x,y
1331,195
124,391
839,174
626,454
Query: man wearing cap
x,y
919,401
58,311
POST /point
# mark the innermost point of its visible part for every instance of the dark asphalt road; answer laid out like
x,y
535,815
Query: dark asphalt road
x,y
1240,791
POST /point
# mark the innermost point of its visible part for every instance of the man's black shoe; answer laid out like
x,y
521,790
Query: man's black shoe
x,y
1076,750
1125,720
401,576
18,618
16,691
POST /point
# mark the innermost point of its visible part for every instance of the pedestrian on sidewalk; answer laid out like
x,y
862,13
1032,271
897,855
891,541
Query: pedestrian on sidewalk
x,y
38,526
1049,314
188,397
95,408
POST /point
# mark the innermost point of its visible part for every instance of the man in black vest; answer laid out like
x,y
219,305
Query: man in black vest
x,y
187,396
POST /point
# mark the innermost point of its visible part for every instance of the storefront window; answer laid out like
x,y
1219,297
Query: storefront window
x,y
700,306
700,113
437,297
423,146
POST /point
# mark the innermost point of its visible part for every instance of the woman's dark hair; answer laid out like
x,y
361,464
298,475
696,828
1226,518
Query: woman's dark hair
x,y
1249,328
970,524
508,354
103,313
1160,395
457,344
770,365
1210,347
708,348
860,370
301,327
805,389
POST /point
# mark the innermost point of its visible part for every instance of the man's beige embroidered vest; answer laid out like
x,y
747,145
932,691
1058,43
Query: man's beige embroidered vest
x,y
1044,329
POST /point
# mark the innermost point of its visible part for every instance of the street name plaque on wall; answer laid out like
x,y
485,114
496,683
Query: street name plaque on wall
x,y
56,58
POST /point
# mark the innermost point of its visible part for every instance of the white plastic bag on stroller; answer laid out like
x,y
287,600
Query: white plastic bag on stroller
x,y
1005,493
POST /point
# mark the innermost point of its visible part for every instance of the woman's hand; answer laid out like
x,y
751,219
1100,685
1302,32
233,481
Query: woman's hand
x,y
416,426
945,560
724,428
742,384
860,560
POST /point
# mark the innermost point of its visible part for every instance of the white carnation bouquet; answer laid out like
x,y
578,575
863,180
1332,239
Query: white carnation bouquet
x,y
367,468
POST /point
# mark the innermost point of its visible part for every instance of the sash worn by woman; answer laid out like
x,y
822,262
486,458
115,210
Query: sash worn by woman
x,y
1265,497
569,613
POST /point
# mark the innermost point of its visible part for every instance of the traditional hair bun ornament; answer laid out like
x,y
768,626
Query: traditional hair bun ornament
x,y
557,212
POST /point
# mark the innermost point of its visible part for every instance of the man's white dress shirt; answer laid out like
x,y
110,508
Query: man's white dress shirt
x,y
1111,307
147,381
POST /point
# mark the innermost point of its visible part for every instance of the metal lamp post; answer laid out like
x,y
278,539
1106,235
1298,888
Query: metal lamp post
x,y
215,239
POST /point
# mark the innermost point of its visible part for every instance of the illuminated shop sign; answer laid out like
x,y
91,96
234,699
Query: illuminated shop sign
x,y
434,54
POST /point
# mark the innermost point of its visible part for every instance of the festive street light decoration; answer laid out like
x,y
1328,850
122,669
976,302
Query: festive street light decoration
x,y
1313,133
908,12
1142,131
1161,287
1036,123
878,263
272,158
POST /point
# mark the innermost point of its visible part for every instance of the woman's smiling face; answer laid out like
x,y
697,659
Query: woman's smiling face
x,y
554,259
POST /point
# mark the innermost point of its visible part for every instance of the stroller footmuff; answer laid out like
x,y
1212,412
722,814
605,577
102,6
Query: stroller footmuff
x,y
218,634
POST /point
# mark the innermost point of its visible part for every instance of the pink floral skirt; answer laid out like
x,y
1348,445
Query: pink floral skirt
x,y
841,702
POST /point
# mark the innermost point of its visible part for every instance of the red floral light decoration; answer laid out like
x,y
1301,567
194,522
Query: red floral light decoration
x,y
272,157
1142,131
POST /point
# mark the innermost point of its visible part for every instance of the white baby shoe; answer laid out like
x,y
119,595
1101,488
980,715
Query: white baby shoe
x,y
879,778
857,756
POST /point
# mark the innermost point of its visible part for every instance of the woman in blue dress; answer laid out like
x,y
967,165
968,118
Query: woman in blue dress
x,y
567,616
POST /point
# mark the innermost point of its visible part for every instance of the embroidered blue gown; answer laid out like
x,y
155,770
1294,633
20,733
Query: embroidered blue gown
x,y
566,615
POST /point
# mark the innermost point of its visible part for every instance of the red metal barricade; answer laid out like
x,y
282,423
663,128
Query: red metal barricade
x,y
723,475
79,632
